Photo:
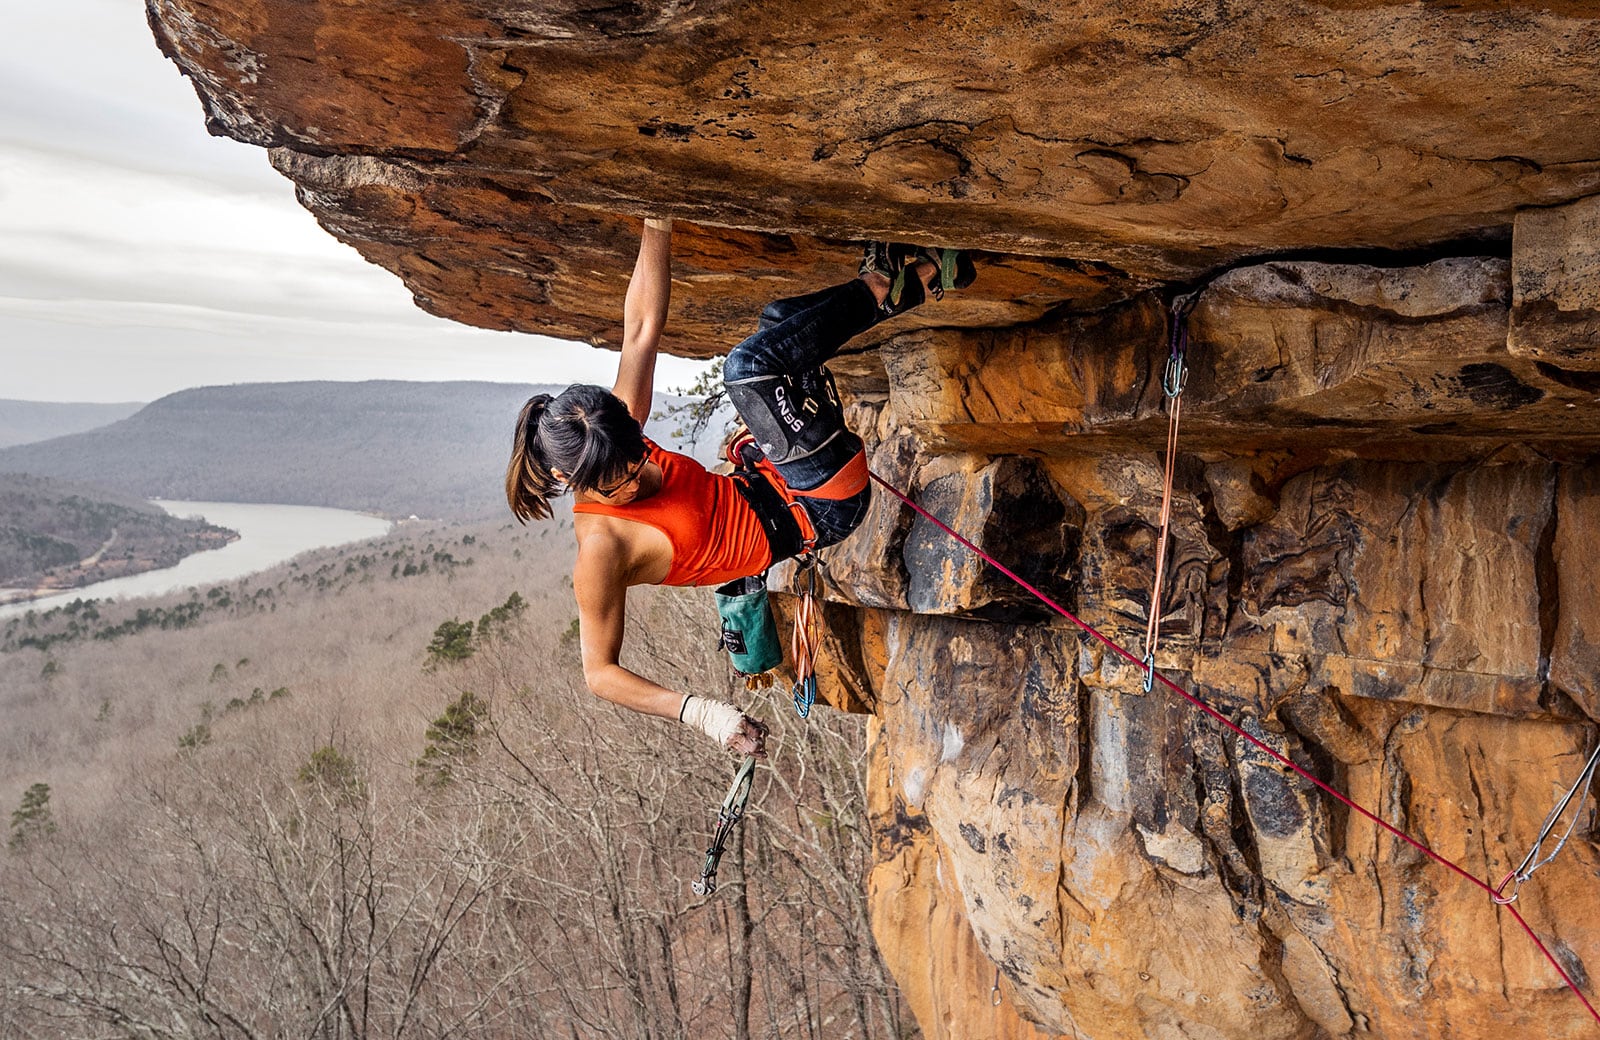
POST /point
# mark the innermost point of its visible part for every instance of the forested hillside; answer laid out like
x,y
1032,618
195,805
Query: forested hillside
x,y
396,448
60,535
23,422
367,793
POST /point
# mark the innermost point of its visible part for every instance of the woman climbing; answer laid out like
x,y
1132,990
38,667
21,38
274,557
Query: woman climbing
x,y
647,516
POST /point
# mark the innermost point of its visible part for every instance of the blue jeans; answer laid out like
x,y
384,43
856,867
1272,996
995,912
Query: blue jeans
x,y
775,379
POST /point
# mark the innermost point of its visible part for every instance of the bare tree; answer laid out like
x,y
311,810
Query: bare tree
x,y
293,879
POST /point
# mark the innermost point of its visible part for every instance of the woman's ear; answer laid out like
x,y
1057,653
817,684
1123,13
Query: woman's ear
x,y
559,475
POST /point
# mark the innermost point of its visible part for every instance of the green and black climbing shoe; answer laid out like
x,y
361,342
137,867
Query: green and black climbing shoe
x,y
895,261
956,270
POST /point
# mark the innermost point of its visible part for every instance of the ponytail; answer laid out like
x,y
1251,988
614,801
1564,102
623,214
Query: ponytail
x,y
587,433
529,482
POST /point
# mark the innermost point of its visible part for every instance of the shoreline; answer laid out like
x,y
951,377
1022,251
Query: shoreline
x,y
92,571
244,538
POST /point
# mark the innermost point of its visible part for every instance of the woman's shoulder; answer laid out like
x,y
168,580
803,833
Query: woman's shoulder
x,y
601,538
590,523
616,549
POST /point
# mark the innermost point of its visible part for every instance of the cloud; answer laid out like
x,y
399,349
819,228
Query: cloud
x,y
73,228
139,255
116,351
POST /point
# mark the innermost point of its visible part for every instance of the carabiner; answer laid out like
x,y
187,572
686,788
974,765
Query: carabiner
x,y
728,814
804,694
1499,896
1176,376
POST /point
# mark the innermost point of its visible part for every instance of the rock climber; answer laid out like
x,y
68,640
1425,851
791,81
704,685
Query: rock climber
x,y
644,515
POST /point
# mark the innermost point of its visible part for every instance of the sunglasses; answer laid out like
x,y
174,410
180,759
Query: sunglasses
x,y
633,475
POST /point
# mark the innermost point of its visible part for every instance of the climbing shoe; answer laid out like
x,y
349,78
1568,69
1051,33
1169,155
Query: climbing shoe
x,y
956,270
894,261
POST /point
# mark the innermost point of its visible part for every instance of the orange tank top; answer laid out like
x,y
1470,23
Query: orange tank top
x,y
714,534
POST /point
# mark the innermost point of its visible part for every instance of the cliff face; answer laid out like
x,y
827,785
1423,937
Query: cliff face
x,y
1387,514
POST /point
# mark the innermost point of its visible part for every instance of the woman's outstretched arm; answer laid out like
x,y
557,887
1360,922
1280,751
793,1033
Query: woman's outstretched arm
x,y
600,584
644,316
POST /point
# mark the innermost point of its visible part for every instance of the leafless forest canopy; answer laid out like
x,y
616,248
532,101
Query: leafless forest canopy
x,y
366,794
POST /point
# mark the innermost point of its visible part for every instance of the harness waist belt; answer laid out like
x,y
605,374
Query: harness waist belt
x,y
784,536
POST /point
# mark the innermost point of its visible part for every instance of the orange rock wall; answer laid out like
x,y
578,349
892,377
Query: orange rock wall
x,y
921,926
1386,521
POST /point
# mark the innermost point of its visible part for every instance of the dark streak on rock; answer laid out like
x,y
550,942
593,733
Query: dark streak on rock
x,y
892,834
1570,963
1490,385
1548,584
1584,382
1274,808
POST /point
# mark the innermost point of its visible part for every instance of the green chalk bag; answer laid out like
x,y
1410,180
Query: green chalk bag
x,y
749,633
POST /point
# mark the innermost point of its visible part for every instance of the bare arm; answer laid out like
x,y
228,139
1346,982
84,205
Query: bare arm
x,y
599,579
644,316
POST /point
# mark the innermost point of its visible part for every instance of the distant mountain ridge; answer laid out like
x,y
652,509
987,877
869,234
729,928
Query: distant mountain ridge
x,y
384,446
25,422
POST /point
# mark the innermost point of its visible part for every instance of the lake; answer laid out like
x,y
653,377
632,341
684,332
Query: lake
x,y
268,535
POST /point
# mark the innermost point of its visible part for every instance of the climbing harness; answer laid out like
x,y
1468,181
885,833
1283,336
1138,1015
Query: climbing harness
x,y
1261,745
1173,380
749,633
807,636
731,813
1525,869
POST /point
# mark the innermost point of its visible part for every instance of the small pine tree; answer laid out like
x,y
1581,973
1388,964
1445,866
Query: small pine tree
x,y
452,738
31,820
493,625
452,641
335,773
705,397
196,736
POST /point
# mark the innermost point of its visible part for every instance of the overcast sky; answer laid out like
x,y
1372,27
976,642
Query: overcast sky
x,y
139,255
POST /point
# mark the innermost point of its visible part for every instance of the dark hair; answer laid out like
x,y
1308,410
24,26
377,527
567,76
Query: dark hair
x,y
587,433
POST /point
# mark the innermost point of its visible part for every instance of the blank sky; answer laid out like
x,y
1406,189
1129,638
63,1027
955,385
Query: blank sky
x,y
139,255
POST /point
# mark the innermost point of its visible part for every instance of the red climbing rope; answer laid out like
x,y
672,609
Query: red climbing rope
x,y
1090,630
1172,385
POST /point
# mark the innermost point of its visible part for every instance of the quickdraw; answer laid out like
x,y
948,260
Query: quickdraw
x,y
807,638
1525,869
1173,381
731,813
